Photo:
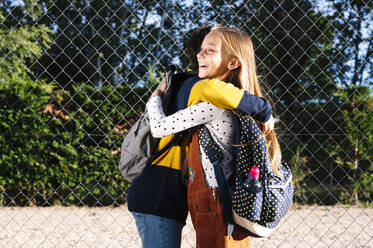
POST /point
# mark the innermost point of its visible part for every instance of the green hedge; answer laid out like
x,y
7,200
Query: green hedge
x,y
60,147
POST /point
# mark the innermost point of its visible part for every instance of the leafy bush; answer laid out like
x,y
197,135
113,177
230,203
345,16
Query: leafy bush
x,y
63,147
59,147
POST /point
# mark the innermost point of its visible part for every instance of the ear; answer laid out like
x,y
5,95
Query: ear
x,y
234,63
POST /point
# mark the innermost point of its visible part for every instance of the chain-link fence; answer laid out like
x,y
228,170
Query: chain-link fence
x,y
75,75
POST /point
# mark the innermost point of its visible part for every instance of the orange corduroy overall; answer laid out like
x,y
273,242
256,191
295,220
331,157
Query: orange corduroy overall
x,y
206,210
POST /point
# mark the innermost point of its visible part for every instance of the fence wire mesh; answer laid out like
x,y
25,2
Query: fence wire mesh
x,y
75,76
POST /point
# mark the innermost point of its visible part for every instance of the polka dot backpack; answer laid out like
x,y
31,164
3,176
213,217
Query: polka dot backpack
x,y
255,208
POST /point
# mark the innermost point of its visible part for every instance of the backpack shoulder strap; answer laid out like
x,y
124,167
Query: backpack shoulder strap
x,y
175,141
212,150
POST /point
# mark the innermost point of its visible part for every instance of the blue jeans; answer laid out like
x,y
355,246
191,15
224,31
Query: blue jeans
x,y
158,232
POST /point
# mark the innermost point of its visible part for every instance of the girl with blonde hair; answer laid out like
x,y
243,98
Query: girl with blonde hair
x,y
239,46
226,55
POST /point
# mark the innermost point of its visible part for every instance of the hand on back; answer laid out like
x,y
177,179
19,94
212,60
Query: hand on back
x,y
161,90
268,126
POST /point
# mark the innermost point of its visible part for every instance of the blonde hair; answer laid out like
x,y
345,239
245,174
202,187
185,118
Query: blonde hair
x,y
239,45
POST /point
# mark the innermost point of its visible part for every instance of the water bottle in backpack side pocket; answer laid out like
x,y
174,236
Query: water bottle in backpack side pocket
x,y
252,182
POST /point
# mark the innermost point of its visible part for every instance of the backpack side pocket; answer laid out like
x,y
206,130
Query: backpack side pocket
x,y
278,195
247,203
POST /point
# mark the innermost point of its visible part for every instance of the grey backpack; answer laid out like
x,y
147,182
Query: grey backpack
x,y
138,147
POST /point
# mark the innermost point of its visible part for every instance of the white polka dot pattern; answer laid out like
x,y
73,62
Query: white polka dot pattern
x,y
162,125
217,120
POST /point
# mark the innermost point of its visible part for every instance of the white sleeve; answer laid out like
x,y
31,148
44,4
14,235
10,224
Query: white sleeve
x,y
162,125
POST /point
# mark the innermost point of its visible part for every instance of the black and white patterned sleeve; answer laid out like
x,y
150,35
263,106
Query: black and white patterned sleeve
x,y
162,125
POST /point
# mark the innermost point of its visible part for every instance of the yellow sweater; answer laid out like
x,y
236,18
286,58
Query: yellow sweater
x,y
220,94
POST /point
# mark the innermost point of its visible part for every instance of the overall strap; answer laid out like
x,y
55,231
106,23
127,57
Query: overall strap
x,y
195,172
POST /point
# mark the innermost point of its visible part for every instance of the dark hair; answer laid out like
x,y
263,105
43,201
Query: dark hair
x,y
194,44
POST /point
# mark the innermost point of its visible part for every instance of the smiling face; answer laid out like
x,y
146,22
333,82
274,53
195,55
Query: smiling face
x,y
213,59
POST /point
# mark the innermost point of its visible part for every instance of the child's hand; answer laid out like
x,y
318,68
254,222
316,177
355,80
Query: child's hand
x,y
161,90
268,126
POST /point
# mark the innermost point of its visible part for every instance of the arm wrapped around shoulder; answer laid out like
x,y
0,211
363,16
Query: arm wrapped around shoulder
x,y
227,96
